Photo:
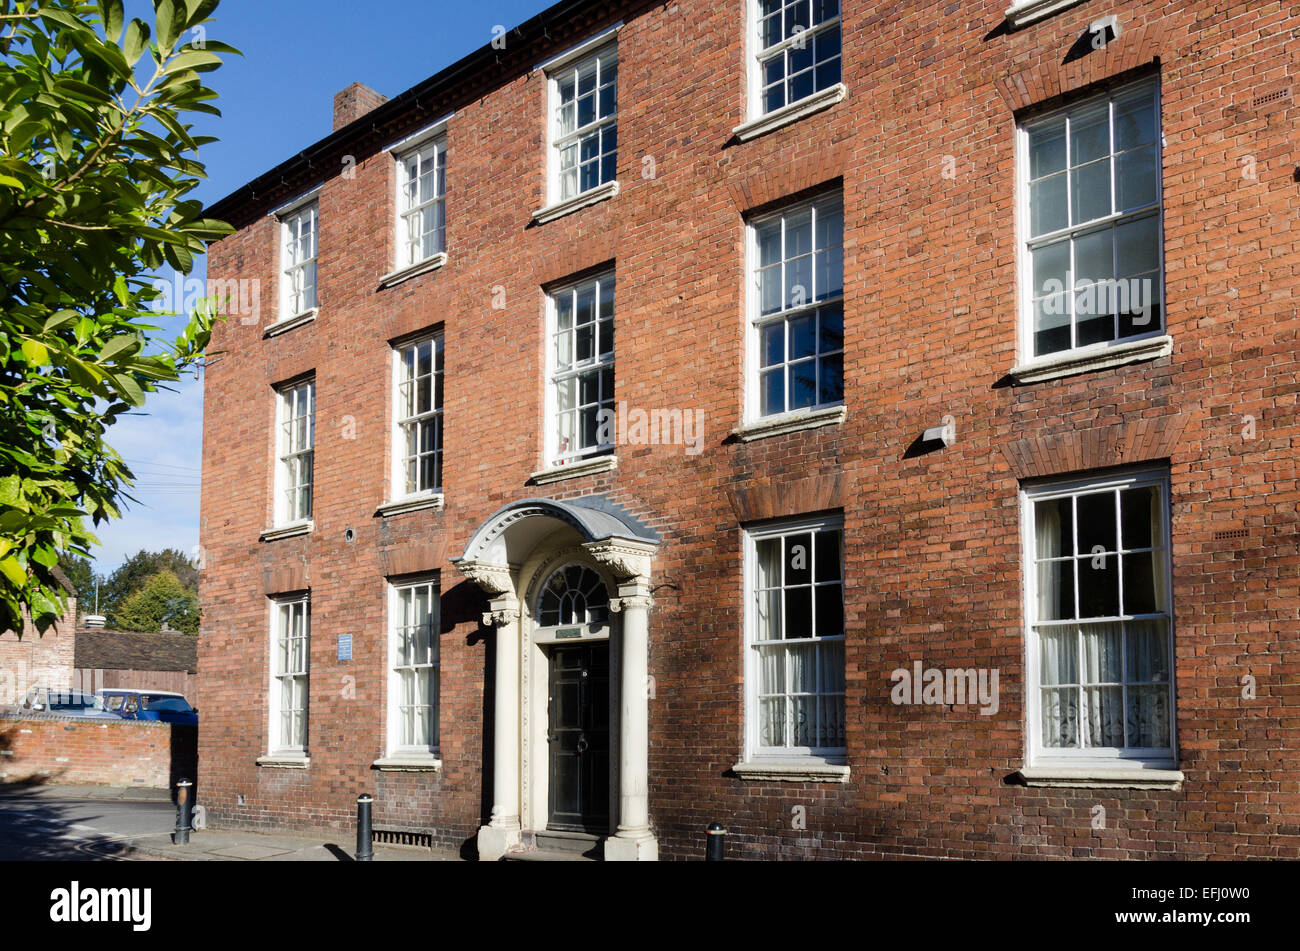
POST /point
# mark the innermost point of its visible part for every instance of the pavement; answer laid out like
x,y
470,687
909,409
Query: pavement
x,y
53,823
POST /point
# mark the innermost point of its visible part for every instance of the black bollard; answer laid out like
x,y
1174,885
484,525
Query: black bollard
x,y
183,806
365,851
715,838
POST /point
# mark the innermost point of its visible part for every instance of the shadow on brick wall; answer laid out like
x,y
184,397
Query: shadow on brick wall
x,y
184,759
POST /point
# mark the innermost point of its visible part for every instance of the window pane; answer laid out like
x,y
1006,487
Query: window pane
x,y
1140,517
1097,522
1055,590
1135,120
1138,250
798,613
1047,205
1144,582
1148,717
1137,173
1054,525
1051,264
1094,257
1105,723
1148,651
830,610
1090,192
1057,657
1047,149
1103,653
1060,717
1089,135
1098,586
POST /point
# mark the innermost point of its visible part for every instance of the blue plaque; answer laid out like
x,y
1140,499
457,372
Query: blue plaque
x,y
345,647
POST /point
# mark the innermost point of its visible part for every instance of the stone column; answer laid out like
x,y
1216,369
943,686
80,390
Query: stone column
x,y
634,841
502,831
501,834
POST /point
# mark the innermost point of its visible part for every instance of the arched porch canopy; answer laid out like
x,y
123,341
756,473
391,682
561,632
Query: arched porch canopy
x,y
503,542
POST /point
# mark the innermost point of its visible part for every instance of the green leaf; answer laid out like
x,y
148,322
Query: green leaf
x,y
45,556
15,572
111,11
137,38
10,181
121,291
117,345
169,25
10,490
80,90
36,353
128,387
193,59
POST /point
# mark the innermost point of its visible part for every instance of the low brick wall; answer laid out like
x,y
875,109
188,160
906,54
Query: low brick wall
x,y
96,752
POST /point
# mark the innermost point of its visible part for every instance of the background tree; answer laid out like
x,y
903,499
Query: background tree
x,y
95,167
162,599
80,573
133,573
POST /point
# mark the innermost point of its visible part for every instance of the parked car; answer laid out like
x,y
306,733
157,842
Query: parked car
x,y
63,702
161,705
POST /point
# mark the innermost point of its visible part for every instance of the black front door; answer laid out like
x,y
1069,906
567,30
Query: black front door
x,y
579,737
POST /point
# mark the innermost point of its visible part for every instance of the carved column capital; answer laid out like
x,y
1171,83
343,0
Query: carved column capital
x,y
643,601
496,580
501,617
625,557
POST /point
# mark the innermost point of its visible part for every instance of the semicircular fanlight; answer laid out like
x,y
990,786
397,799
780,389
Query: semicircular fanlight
x,y
573,595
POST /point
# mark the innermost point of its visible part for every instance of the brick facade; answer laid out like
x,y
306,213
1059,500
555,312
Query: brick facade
x,y
932,540
36,659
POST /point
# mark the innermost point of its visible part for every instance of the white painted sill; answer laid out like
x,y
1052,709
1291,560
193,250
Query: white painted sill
x,y
409,763
793,770
561,208
284,761
574,469
791,422
1092,358
1102,777
1031,11
414,270
402,506
790,113
287,531
280,326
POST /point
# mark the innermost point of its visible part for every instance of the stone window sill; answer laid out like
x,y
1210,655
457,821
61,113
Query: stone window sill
x,y
284,761
1092,358
414,270
791,422
794,770
403,506
286,531
791,113
281,326
408,763
561,208
1102,777
1030,11
574,469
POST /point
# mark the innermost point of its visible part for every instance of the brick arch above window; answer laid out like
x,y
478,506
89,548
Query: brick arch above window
x,y
1056,74
1142,440
597,248
785,176
762,499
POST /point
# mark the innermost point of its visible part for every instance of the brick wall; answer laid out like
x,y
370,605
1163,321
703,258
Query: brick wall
x,y
35,659
932,541
102,753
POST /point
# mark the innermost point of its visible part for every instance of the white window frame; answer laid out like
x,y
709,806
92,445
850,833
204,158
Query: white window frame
x,y
395,748
574,63
754,752
434,143
599,362
282,610
398,487
292,269
756,53
285,402
1024,242
753,412
1101,758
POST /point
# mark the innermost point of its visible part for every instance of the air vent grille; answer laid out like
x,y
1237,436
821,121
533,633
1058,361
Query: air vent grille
x,y
1230,533
414,840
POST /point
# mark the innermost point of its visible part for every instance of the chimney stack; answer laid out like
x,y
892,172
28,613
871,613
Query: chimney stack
x,y
354,102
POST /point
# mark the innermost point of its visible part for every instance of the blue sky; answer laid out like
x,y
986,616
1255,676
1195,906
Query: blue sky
x,y
277,99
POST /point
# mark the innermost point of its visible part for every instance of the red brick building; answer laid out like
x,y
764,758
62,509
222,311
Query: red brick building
x,y
873,429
